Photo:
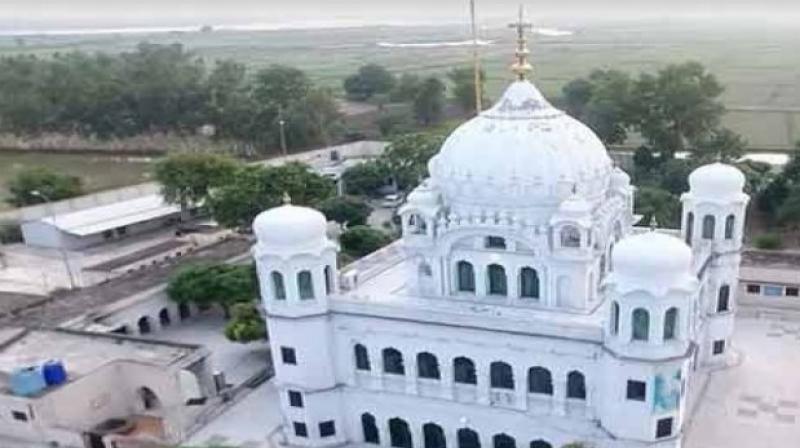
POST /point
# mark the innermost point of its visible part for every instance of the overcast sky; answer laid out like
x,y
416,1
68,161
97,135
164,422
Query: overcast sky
x,y
22,13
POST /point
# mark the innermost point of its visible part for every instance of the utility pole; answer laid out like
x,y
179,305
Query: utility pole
x,y
476,63
63,252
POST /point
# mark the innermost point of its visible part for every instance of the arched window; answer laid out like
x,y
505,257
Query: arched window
x,y
466,276
433,435
502,377
503,441
602,266
494,242
164,318
328,280
305,286
393,361
670,324
540,381
730,221
689,227
497,280
723,301
528,283
570,237
614,318
399,433
362,357
278,289
540,444
144,325
464,371
370,429
640,324
184,311
425,270
708,227
468,438
150,400
427,366
576,385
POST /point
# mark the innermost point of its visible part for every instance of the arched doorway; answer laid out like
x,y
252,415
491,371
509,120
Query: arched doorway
x,y
184,312
399,433
433,435
164,317
149,399
468,438
144,325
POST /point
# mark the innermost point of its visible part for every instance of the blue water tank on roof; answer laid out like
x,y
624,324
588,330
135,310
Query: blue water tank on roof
x,y
27,381
54,372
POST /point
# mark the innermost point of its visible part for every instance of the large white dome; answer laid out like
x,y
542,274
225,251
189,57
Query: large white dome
x,y
290,227
521,153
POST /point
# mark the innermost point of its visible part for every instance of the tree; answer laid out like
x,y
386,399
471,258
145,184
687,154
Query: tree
x,y
395,122
463,79
346,210
280,85
788,212
366,179
406,158
677,107
429,101
187,178
358,241
654,201
406,88
257,188
370,79
602,102
209,284
51,186
246,324
719,144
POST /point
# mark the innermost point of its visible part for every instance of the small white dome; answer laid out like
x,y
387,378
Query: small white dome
x,y
521,153
716,180
290,226
575,206
423,196
652,259
620,179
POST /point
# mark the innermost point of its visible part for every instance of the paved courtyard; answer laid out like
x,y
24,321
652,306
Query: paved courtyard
x,y
238,361
757,403
247,424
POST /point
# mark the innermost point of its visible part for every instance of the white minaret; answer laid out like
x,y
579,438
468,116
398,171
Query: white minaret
x,y
296,266
713,224
650,299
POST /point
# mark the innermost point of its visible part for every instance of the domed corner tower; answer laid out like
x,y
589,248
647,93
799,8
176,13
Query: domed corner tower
x,y
714,211
419,217
296,265
651,300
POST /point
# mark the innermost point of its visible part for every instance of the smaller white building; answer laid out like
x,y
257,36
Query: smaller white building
x,y
118,390
92,226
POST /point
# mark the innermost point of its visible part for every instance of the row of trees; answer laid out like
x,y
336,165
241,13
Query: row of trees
x,y
427,96
162,89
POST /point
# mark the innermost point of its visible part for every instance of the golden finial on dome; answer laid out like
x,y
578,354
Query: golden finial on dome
x,y
286,198
521,67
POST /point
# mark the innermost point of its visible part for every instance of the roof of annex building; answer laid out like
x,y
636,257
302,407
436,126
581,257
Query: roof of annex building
x,y
111,216
83,352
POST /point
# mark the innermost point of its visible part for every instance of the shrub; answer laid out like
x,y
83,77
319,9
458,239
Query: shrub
x,y
768,241
362,240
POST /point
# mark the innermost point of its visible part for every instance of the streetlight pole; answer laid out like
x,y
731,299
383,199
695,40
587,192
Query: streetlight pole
x,y
62,251
282,124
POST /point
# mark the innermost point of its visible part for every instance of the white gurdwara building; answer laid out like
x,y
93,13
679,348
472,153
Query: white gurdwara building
x,y
520,309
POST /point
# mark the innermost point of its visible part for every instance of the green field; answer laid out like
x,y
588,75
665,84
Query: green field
x,y
758,65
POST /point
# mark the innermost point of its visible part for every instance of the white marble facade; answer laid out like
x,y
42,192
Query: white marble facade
x,y
521,308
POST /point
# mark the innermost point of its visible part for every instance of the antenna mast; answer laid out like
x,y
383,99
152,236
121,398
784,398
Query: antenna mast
x,y
476,63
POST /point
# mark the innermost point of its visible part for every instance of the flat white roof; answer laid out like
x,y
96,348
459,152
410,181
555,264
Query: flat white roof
x,y
111,216
81,352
